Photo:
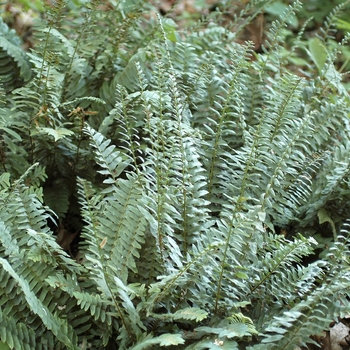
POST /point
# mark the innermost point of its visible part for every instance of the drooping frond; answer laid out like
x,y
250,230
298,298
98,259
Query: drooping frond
x,y
26,295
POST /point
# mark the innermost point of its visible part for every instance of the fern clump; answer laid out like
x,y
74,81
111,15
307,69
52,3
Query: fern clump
x,y
199,188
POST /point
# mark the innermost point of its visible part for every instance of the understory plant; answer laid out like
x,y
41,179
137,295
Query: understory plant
x,y
171,188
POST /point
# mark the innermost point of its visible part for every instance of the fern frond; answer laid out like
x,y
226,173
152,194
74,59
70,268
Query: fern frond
x,y
127,132
313,311
280,256
16,334
170,282
328,29
163,340
99,308
273,44
15,68
123,222
112,241
311,316
59,328
228,115
124,225
107,157
24,201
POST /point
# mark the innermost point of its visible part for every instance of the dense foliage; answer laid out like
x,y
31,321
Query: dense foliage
x,y
164,187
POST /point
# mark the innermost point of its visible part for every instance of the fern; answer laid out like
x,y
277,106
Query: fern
x,y
202,180
26,293
15,67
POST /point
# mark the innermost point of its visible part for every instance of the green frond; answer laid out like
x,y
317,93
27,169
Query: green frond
x,y
308,317
279,260
163,340
328,29
124,223
227,117
315,307
273,44
15,68
124,126
109,159
98,307
24,201
16,335
58,327
26,296
8,242
128,76
168,284
112,234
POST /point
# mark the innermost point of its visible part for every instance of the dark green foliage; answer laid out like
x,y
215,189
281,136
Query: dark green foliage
x,y
14,65
183,161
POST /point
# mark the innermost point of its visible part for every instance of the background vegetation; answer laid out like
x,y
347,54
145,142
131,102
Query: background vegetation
x,y
173,175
